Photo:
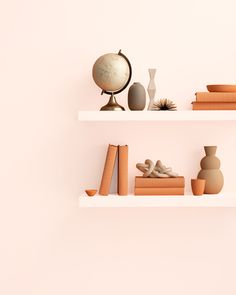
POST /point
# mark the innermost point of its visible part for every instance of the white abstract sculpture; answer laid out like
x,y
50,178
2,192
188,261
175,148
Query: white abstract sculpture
x,y
151,88
159,170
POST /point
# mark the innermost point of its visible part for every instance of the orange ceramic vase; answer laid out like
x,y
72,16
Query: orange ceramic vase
x,y
211,172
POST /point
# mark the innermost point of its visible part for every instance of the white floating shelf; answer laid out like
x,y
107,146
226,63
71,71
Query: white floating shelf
x,y
103,116
220,200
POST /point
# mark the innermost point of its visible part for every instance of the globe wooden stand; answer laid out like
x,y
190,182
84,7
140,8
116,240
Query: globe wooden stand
x,y
112,105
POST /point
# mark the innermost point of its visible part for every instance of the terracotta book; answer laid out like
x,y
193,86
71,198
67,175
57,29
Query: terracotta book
x,y
123,170
148,182
159,191
216,96
108,170
214,105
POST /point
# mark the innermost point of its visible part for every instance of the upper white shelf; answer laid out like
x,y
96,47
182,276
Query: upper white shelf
x,y
220,200
102,116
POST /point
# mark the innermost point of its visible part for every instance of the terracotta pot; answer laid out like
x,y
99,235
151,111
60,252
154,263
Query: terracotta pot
x,y
198,186
137,97
211,172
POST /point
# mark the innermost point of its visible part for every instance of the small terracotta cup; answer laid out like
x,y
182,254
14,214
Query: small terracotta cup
x,y
91,192
198,186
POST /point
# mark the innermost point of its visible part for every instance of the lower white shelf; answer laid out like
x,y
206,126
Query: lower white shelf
x,y
220,200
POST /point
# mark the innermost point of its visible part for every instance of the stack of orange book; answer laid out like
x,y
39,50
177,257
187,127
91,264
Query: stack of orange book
x,y
159,186
215,101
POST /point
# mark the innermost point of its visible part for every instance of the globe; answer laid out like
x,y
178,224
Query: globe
x,y
112,73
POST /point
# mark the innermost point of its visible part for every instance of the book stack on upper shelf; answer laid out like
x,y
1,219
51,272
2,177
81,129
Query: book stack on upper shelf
x,y
219,97
159,186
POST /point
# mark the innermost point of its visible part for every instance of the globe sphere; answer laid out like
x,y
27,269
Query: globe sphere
x,y
111,72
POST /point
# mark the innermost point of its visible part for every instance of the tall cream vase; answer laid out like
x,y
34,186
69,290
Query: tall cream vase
x,y
151,88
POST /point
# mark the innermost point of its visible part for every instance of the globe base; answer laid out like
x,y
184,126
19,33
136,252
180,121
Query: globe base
x,y
112,105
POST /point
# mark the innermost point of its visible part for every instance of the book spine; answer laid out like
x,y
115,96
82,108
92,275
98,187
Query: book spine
x,y
108,170
143,182
123,170
214,106
159,191
216,97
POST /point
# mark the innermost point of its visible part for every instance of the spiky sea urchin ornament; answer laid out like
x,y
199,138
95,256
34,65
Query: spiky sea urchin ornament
x,y
164,104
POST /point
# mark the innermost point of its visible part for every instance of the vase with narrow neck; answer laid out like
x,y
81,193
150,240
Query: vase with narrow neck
x,y
210,171
151,88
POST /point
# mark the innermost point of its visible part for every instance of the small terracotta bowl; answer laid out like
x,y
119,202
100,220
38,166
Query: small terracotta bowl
x,y
91,192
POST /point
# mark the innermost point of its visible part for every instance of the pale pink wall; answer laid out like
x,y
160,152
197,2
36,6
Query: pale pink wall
x,y
48,245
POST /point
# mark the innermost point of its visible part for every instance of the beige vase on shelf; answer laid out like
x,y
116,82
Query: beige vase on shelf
x,y
210,171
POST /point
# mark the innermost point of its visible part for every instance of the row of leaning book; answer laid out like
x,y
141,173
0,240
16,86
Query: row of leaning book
x,y
121,154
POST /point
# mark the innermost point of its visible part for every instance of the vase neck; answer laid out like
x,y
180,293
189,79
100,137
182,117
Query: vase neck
x,y
152,73
210,150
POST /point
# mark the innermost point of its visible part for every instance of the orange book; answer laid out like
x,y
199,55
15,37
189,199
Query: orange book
x,y
148,182
108,170
216,96
138,191
123,170
214,105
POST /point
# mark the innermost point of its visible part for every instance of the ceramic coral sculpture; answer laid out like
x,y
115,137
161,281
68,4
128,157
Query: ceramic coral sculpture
x,y
211,172
164,104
